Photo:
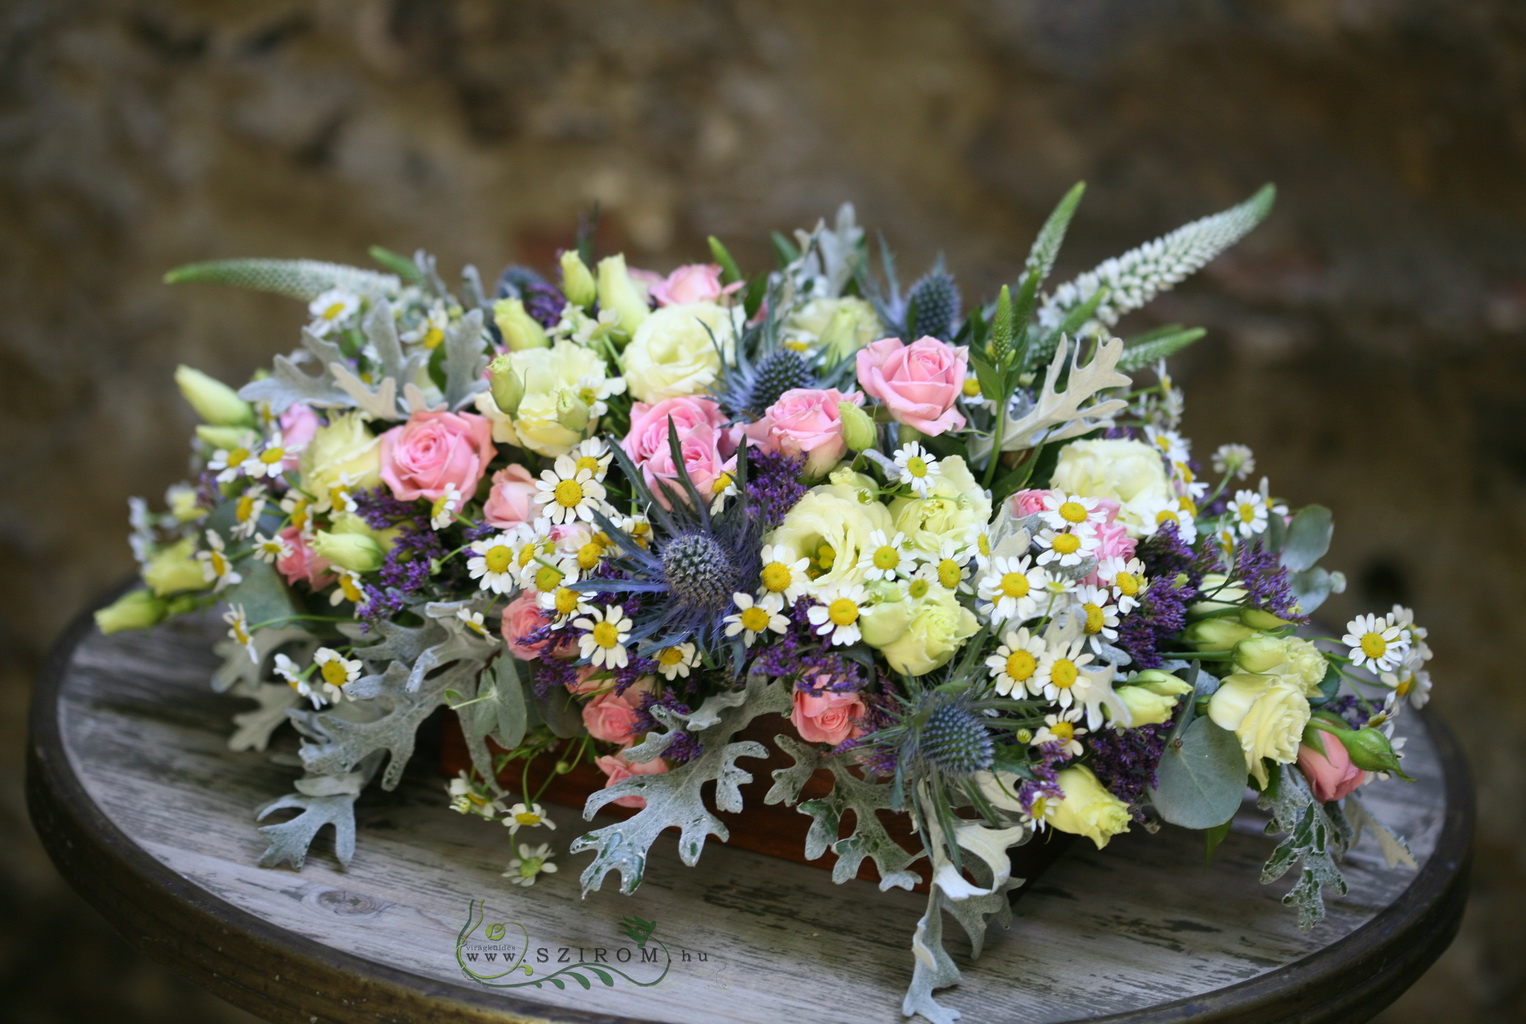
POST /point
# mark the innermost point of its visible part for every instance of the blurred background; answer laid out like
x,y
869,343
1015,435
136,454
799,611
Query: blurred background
x,y
1369,341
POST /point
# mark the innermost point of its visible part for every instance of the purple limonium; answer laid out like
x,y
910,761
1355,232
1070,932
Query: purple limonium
x,y
684,746
797,655
774,484
1175,575
1124,760
1265,580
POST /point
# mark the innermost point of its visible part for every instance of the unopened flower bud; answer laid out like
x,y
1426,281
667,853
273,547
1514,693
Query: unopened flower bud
x,y
1371,751
858,430
226,438
520,330
354,551
215,402
618,292
577,281
507,388
174,569
571,411
839,339
1216,634
1163,684
137,609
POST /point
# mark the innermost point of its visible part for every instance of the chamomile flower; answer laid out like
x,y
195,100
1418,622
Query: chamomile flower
x,y
1126,580
675,662
1038,812
246,512
1071,511
547,575
348,588
1409,681
340,495
1247,513
1016,662
568,493
1061,728
606,630
442,512
298,508
271,549
1171,510
288,670
722,487
949,568
1235,460
1169,443
531,862
595,392
561,602
335,670
267,460
1065,548
917,469
593,455
332,310
238,630
1376,641
430,330
493,563
836,618
469,797
1011,589
473,621
228,463
1097,614
531,815
215,567
753,619
782,579
1060,676
887,558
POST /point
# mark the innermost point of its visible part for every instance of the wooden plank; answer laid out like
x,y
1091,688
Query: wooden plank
x,y
1140,925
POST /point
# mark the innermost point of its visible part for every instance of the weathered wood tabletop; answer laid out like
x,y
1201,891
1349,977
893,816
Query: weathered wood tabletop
x,y
147,813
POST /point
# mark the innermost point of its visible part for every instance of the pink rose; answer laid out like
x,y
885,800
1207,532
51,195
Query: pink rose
x,y
434,449
827,718
696,282
918,383
706,448
1113,541
617,768
612,717
585,683
298,425
511,498
521,617
1331,775
303,563
805,421
1027,503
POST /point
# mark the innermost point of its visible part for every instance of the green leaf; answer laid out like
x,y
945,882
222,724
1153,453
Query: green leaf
x,y
499,708
784,249
1143,354
262,593
1312,586
1047,245
1074,319
729,271
1212,838
1200,780
1308,538
399,264
990,378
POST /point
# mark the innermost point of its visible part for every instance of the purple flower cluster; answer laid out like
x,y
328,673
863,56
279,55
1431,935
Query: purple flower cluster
x,y
407,569
1124,761
1265,580
1175,576
1046,770
773,484
544,302
796,654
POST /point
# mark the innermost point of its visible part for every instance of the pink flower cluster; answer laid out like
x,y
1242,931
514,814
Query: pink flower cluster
x,y
918,383
706,446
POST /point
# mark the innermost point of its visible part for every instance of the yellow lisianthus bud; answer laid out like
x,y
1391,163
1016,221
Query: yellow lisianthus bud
x,y
520,330
618,292
508,389
577,282
1145,706
182,502
1088,808
858,431
174,569
1282,655
354,551
215,402
137,609
1216,634
571,411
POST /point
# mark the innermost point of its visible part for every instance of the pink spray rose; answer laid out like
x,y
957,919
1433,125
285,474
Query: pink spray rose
x,y
298,425
521,617
918,383
1026,503
511,498
805,421
827,718
695,282
584,682
707,448
617,768
611,717
303,563
434,449
1331,775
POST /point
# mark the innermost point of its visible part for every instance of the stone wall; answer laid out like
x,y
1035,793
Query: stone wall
x,y
1367,341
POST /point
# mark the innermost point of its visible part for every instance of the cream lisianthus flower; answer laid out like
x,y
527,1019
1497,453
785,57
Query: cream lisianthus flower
x,y
1088,808
1267,713
563,389
344,448
674,351
917,635
1128,472
830,528
954,504
840,326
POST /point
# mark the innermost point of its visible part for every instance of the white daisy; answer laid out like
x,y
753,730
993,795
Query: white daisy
x,y
288,670
1070,511
949,568
228,463
332,310
1247,513
593,455
1126,580
215,567
1374,641
1060,677
722,487
475,623
569,493
442,512
267,460
1016,662
430,330
606,630
595,392
335,670
532,861
918,469
493,563
531,815
1171,510
246,512
1410,680
676,661
238,629
886,558
1169,443
561,602
1065,548
340,496
1098,615
1061,728
837,617
781,577
271,549
298,508
1012,589
468,797
752,620
1235,460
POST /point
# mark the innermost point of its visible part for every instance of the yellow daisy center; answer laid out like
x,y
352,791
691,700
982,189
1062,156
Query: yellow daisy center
x,y
1073,512
1373,645
1063,731
547,578
971,388
1247,513
721,483
1165,515
1020,665
1066,543
299,513
843,611
433,337
589,555
439,506
1063,673
669,656
569,494
776,577
1014,584
1405,685
566,601
589,463
237,455
1093,618
498,558
983,545
606,634
916,466
950,573
241,635
527,818
335,673
351,589
918,589
526,554
1188,506
755,619
270,456
245,508
219,563
886,557
1127,584
333,310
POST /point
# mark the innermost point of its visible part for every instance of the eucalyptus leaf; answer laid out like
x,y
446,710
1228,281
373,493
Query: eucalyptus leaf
x,y
1308,538
262,593
1201,778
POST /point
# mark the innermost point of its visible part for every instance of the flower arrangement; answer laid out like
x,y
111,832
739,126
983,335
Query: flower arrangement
x,y
620,517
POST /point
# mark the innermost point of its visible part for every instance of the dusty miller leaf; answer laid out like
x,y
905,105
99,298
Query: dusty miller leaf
x,y
1057,415
1395,849
254,727
465,359
1313,843
932,967
290,840
290,385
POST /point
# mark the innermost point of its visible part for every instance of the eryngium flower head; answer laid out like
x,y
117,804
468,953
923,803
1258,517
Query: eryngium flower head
x,y
954,739
700,571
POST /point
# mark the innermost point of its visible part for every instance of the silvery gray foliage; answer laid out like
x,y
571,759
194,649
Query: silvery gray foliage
x,y
289,384
829,256
674,799
849,793
254,727
465,359
1137,276
1315,840
296,279
321,802
933,967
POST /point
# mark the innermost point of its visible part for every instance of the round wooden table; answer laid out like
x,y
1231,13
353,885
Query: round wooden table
x,y
146,812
